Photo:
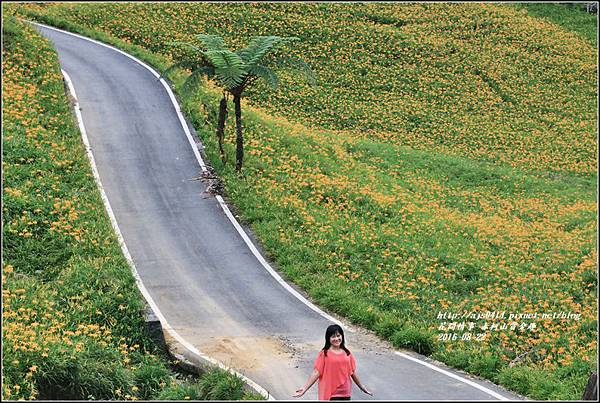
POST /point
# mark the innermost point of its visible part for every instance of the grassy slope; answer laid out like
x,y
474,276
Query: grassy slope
x,y
72,315
571,16
429,76
388,235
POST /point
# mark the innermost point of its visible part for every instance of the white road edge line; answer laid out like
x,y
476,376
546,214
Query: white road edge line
x,y
125,250
235,223
247,239
451,375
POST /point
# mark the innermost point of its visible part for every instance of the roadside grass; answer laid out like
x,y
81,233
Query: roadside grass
x,y
389,234
73,325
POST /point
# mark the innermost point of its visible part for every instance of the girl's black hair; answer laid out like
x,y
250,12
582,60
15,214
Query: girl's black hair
x,y
331,330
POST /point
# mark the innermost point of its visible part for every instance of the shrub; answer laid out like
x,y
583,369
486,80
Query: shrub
x,y
454,358
485,365
217,384
81,380
414,339
150,379
516,378
386,326
183,391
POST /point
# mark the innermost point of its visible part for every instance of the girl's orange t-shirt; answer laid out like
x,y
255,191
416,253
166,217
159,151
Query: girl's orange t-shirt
x,y
335,371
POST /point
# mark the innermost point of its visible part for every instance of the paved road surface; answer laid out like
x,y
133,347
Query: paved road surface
x,y
204,279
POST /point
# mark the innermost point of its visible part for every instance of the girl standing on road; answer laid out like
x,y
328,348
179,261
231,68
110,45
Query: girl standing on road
x,y
334,367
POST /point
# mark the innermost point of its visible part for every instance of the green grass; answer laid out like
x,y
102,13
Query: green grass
x,y
571,16
73,324
386,229
433,76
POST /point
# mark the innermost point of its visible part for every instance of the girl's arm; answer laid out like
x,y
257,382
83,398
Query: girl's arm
x,y
357,382
311,380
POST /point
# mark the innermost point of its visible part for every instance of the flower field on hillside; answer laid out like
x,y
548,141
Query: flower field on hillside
x,y
445,162
72,316
474,80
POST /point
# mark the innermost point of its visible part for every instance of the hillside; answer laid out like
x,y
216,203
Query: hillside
x,y
445,162
72,316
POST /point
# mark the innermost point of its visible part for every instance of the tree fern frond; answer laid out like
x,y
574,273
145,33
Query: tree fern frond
x,y
230,69
212,42
300,65
184,64
266,74
196,78
189,45
258,47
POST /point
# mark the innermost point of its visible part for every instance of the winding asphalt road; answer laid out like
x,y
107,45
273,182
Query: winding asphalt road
x,y
195,265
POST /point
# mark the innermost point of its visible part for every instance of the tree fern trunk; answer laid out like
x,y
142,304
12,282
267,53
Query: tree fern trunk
x,y
239,155
221,126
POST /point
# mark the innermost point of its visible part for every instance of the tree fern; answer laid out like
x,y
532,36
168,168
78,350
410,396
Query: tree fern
x,y
184,64
197,77
298,64
260,46
230,69
212,42
189,45
266,74
236,70
257,48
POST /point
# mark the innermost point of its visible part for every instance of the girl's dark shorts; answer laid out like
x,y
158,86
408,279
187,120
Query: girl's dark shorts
x,y
340,398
